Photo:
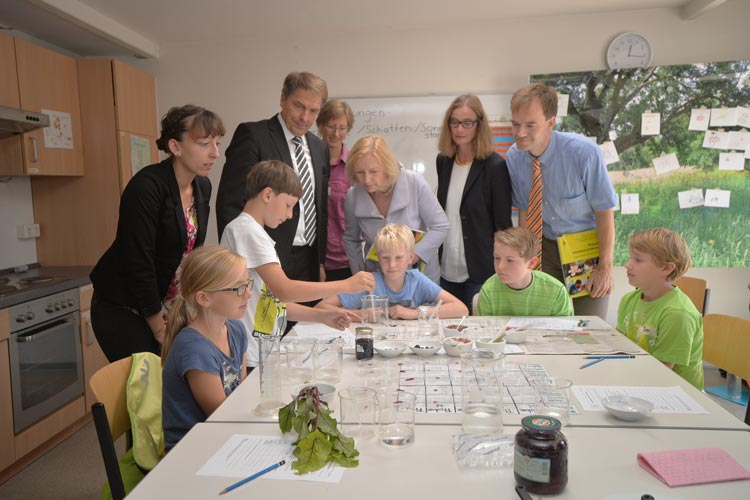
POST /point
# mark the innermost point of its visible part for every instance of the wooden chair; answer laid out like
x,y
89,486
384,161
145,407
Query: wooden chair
x,y
696,289
726,344
111,416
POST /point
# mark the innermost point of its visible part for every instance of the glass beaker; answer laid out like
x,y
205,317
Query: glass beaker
x,y
375,312
329,356
553,398
482,390
428,322
300,359
269,367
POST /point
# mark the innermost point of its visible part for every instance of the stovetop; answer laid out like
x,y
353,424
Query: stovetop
x,y
17,283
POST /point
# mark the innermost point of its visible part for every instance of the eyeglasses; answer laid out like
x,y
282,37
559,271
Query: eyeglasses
x,y
463,123
334,128
239,290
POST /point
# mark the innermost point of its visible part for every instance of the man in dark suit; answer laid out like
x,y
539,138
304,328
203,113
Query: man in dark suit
x,y
300,241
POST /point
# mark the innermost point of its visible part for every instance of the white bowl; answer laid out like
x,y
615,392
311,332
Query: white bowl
x,y
454,347
627,408
487,343
326,391
515,337
451,331
425,347
389,348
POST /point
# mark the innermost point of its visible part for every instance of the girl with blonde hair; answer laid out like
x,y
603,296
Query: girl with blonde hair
x,y
204,349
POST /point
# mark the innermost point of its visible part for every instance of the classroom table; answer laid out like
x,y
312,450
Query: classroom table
x,y
602,465
637,371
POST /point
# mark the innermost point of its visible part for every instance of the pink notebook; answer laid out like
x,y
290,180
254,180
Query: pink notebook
x,y
692,466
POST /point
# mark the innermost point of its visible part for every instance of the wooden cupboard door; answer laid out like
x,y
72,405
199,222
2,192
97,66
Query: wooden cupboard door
x,y
135,100
49,80
9,74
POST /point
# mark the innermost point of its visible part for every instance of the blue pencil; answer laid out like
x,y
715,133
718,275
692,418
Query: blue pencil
x,y
592,363
613,356
250,478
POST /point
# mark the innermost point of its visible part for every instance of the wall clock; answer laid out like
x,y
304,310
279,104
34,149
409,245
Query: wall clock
x,y
629,50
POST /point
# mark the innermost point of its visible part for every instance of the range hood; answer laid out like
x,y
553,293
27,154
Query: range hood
x,y
15,121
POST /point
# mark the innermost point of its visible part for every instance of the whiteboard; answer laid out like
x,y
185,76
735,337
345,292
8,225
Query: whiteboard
x,y
411,125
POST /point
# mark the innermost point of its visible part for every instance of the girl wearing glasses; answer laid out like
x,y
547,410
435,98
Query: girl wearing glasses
x,y
163,216
204,350
474,190
334,122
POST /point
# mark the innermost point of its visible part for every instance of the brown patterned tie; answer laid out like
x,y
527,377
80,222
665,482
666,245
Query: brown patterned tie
x,y
534,213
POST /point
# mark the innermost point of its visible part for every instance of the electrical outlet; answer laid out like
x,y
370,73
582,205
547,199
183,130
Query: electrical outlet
x,y
28,231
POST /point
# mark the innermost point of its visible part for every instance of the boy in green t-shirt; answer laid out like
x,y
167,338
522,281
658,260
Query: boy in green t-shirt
x,y
516,290
657,315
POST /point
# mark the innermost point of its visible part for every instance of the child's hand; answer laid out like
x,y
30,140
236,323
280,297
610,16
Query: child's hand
x,y
401,312
361,282
337,318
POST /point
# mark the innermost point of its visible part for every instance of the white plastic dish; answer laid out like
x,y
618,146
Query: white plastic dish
x,y
389,348
454,346
425,347
326,391
627,408
487,343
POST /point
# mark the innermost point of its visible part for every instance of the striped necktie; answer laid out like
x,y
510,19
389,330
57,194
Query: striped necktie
x,y
534,213
308,189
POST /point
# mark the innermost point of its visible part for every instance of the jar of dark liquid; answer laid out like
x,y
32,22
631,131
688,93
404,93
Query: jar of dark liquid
x,y
540,460
363,342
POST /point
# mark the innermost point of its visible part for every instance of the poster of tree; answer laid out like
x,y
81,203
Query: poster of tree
x,y
676,142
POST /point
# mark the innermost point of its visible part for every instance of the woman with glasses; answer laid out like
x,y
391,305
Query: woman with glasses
x,y
474,191
384,193
163,216
334,122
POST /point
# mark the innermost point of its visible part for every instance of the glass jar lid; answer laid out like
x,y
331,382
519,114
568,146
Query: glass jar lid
x,y
540,424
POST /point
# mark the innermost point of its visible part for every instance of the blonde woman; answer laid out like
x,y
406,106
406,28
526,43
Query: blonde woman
x,y
204,349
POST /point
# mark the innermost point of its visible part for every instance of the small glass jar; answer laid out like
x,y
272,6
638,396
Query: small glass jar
x,y
363,342
541,456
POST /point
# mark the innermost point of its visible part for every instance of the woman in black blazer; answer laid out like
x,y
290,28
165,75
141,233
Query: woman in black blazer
x,y
474,191
163,216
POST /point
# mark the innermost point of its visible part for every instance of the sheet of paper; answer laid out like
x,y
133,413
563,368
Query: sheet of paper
x,y
666,163
717,198
650,123
562,104
575,342
724,117
699,119
631,204
140,153
544,324
691,199
609,151
617,205
243,455
59,134
665,399
739,140
743,117
324,332
732,161
716,139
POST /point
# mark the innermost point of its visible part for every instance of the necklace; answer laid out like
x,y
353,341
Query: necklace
x,y
463,163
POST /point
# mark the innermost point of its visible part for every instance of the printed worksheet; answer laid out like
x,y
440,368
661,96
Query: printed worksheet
x,y
665,399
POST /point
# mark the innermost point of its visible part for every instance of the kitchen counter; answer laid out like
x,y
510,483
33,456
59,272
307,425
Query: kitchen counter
x,y
77,276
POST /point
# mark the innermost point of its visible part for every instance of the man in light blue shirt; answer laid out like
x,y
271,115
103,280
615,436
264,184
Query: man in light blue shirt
x,y
577,194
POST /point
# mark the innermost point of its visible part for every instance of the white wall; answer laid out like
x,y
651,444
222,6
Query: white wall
x,y
241,79
16,208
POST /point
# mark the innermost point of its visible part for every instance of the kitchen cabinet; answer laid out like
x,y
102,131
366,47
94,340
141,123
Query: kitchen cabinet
x,y
93,357
48,80
11,162
78,217
7,442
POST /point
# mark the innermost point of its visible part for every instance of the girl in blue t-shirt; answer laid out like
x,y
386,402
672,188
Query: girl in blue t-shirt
x,y
204,350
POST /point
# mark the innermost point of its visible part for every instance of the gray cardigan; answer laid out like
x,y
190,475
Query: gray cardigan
x,y
413,204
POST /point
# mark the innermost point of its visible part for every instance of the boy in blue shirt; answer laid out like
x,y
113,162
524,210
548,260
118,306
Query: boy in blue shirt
x,y
657,315
405,288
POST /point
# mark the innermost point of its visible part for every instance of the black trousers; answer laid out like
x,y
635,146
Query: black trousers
x,y
338,274
120,331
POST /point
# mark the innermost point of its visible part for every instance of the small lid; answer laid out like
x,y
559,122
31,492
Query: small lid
x,y
363,330
541,424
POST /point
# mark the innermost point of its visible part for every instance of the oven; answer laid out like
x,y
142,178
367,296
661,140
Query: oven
x,y
46,368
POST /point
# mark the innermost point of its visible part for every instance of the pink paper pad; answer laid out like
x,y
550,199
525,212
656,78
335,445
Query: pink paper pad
x,y
692,466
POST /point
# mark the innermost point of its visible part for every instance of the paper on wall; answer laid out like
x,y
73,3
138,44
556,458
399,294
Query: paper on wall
x,y
609,152
690,199
743,117
717,198
724,117
140,153
666,163
59,134
731,161
630,204
739,140
716,139
617,204
650,123
562,104
699,118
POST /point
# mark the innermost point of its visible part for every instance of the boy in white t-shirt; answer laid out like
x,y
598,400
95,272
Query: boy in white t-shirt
x,y
272,190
